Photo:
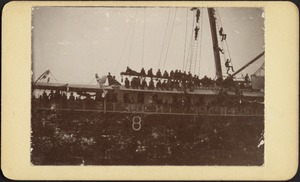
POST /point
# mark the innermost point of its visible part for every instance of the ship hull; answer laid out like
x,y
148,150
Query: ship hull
x,y
89,138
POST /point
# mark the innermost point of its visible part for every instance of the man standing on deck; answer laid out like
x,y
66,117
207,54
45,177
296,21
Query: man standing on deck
x,y
151,84
126,82
158,85
109,78
158,73
150,73
143,73
144,84
247,79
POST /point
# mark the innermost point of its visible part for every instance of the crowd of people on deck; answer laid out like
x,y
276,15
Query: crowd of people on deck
x,y
165,81
112,80
179,80
185,104
58,95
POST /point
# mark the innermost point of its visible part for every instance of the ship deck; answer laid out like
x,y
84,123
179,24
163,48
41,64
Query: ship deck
x,y
212,90
254,109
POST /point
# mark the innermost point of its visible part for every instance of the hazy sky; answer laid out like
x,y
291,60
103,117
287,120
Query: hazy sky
x,y
77,42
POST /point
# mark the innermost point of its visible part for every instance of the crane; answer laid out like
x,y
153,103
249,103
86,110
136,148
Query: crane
x,y
249,63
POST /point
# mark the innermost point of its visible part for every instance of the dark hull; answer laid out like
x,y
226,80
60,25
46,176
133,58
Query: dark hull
x,y
89,138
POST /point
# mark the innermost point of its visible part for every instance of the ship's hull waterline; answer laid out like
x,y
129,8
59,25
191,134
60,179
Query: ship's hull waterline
x,y
91,138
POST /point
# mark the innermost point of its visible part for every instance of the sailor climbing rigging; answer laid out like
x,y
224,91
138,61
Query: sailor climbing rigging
x,y
197,15
196,32
219,49
221,33
228,66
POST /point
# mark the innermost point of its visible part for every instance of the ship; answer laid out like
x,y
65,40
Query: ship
x,y
183,120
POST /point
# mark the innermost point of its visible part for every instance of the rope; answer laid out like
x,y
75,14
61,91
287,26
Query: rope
x,y
191,43
218,27
169,39
218,16
194,60
164,39
228,52
117,66
260,69
92,81
200,41
226,38
197,45
227,47
189,53
144,37
187,19
223,49
54,78
62,81
132,35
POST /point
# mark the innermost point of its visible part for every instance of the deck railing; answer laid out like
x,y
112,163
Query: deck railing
x,y
98,106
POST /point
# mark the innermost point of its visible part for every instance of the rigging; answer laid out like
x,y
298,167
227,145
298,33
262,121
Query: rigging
x,y
122,53
132,35
249,63
224,47
144,37
169,39
191,41
186,26
201,33
163,45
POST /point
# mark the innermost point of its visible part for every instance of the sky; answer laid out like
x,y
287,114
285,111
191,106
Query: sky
x,y
77,42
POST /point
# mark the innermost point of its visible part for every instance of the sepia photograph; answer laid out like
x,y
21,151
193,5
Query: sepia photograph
x,y
142,86
132,90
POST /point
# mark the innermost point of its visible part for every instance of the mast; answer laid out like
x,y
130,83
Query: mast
x,y
213,29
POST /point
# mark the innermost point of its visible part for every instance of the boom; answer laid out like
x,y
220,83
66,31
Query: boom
x,y
248,64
